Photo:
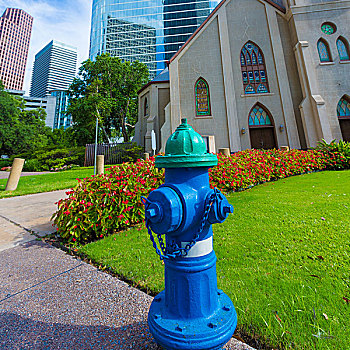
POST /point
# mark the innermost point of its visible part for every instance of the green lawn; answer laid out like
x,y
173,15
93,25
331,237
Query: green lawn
x,y
283,258
46,182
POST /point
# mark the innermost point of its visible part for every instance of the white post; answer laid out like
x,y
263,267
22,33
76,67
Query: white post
x,y
96,135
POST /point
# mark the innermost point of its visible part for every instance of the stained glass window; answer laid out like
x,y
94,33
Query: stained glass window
x,y
242,60
257,77
202,98
253,69
249,90
343,49
343,108
328,28
261,89
323,51
259,116
254,61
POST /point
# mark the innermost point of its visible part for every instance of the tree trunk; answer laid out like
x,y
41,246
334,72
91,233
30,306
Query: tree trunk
x,y
124,130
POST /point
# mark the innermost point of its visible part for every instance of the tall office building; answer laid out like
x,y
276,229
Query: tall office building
x,y
54,68
62,119
15,32
147,31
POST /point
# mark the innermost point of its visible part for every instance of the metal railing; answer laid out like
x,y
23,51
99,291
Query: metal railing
x,y
113,152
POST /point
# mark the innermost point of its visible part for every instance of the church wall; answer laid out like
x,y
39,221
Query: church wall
x,y
163,100
142,117
332,79
247,21
202,59
293,77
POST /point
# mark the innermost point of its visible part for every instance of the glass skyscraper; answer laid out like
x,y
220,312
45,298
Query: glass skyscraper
x,y
150,31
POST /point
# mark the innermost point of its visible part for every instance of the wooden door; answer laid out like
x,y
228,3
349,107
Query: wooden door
x,y
345,129
262,138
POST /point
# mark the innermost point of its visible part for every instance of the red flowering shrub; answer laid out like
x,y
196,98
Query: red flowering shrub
x,y
251,167
101,205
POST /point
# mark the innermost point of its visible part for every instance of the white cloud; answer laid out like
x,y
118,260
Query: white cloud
x,y
63,20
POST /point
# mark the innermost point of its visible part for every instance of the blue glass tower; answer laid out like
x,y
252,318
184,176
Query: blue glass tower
x,y
62,119
150,31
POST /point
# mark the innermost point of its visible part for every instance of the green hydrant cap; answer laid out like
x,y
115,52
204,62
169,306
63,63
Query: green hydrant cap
x,y
185,148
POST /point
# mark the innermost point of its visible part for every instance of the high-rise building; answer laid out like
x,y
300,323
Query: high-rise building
x,y
150,32
62,119
48,103
15,32
54,68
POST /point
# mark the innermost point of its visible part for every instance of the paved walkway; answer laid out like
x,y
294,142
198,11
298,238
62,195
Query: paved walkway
x,y
20,216
51,300
6,174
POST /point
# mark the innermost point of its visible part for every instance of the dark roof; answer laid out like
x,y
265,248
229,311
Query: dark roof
x,y
278,4
162,77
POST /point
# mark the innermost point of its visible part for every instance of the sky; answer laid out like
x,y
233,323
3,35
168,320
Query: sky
x,y
67,21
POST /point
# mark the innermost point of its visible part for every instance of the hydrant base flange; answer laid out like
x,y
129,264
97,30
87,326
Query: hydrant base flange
x,y
210,333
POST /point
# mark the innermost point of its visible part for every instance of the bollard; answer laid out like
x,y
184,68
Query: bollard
x,y
100,160
191,313
224,151
146,156
15,174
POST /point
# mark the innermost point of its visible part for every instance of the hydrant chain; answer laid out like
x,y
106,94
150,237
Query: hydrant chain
x,y
175,250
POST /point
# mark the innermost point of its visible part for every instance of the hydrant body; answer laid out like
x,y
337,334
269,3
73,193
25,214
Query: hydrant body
x,y
191,313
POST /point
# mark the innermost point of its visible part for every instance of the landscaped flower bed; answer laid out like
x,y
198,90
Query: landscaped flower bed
x,y
101,205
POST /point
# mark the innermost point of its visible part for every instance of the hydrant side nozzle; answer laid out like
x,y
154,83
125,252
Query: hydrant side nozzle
x,y
228,209
154,213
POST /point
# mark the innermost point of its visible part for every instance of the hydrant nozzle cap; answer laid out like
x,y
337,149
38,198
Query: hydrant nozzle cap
x,y
186,148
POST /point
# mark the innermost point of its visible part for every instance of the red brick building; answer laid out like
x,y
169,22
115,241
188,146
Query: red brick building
x,y
15,32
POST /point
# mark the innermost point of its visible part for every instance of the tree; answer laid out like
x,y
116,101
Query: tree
x,y
106,89
20,130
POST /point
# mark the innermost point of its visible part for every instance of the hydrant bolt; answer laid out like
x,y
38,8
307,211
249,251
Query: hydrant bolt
x,y
228,209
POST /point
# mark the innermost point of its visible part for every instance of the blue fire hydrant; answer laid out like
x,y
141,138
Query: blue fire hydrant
x,y
191,313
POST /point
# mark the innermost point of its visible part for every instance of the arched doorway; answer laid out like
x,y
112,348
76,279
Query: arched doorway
x,y
343,113
261,128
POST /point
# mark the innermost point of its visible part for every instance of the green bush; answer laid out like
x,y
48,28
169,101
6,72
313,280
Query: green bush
x,y
53,159
31,165
338,151
5,163
132,154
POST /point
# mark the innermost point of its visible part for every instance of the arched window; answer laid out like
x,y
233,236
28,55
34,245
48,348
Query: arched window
x,y
343,112
202,98
323,51
145,107
259,116
343,108
261,128
343,49
253,70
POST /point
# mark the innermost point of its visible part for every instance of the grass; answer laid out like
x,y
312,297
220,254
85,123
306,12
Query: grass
x,y
283,258
45,182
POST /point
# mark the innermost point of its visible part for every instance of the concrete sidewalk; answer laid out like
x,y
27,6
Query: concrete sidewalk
x,y
51,300
21,216
6,174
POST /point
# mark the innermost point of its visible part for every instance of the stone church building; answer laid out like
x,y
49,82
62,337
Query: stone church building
x,y
257,74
